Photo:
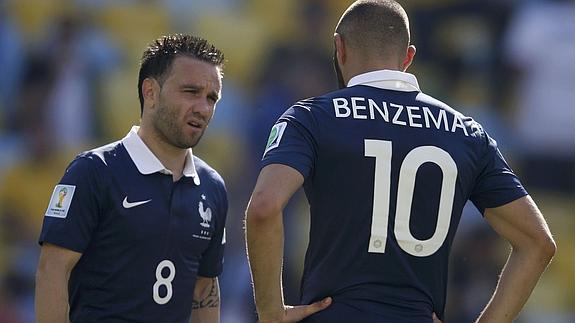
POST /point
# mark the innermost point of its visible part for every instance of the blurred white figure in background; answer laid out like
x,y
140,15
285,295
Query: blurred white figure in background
x,y
540,44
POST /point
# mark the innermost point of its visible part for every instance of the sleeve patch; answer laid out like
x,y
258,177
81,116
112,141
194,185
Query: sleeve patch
x,y
60,201
275,136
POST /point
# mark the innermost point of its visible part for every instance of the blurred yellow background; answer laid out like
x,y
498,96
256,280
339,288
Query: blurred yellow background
x,y
68,84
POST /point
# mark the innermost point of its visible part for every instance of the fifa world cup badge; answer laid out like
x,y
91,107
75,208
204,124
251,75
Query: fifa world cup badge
x,y
60,201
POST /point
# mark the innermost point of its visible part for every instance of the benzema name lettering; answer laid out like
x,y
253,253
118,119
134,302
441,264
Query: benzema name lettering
x,y
412,116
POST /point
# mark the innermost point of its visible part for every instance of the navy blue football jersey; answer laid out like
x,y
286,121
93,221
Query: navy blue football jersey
x,y
144,238
387,172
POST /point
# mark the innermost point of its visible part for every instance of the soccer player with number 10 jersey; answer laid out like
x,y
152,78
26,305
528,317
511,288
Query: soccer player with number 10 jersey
x,y
387,171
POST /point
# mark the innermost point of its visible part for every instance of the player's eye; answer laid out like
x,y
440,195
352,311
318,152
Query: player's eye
x,y
191,91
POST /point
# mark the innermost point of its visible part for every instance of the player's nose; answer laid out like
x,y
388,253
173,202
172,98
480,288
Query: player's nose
x,y
204,108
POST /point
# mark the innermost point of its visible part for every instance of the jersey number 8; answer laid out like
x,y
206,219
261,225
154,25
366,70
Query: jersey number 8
x,y
382,151
164,281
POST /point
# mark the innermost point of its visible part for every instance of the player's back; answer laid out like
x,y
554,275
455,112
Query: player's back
x,y
390,172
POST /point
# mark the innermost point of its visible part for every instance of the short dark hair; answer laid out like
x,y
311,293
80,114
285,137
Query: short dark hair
x,y
379,27
158,57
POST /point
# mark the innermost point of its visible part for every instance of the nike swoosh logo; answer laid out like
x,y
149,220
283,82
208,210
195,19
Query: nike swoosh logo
x,y
129,205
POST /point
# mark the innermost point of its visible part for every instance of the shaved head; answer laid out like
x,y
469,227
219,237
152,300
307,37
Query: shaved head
x,y
375,28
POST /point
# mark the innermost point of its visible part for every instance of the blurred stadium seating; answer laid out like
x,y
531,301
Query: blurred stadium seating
x,y
277,51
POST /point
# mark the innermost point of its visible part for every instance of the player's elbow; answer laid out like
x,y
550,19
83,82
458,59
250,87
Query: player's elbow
x,y
260,208
547,247
543,247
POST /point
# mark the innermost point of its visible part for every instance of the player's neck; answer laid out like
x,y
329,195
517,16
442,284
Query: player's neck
x,y
365,65
173,158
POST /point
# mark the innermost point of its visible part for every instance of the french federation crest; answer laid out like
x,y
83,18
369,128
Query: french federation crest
x,y
205,213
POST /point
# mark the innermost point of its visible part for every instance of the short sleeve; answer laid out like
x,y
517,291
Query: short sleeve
x,y
72,212
292,141
496,184
211,264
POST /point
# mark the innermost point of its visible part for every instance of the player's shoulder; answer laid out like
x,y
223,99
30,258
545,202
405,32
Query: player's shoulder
x,y
473,128
310,109
428,100
207,172
317,103
320,102
96,159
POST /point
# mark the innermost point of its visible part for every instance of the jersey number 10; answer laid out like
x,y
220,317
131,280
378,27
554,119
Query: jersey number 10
x,y
382,151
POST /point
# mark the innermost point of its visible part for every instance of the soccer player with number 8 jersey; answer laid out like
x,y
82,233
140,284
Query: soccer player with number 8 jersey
x,y
134,231
387,171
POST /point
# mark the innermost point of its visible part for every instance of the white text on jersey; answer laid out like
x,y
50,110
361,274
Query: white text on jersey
x,y
411,116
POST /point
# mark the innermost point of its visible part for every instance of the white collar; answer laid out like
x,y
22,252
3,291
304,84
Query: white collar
x,y
387,79
148,163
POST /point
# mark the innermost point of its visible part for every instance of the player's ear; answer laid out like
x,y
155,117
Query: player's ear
x,y
150,91
408,59
339,49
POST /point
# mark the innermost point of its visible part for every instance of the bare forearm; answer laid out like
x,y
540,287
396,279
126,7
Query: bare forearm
x,y
518,278
51,300
265,242
206,303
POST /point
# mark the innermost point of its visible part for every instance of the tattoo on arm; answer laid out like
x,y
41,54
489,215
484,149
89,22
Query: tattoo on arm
x,y
209,298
